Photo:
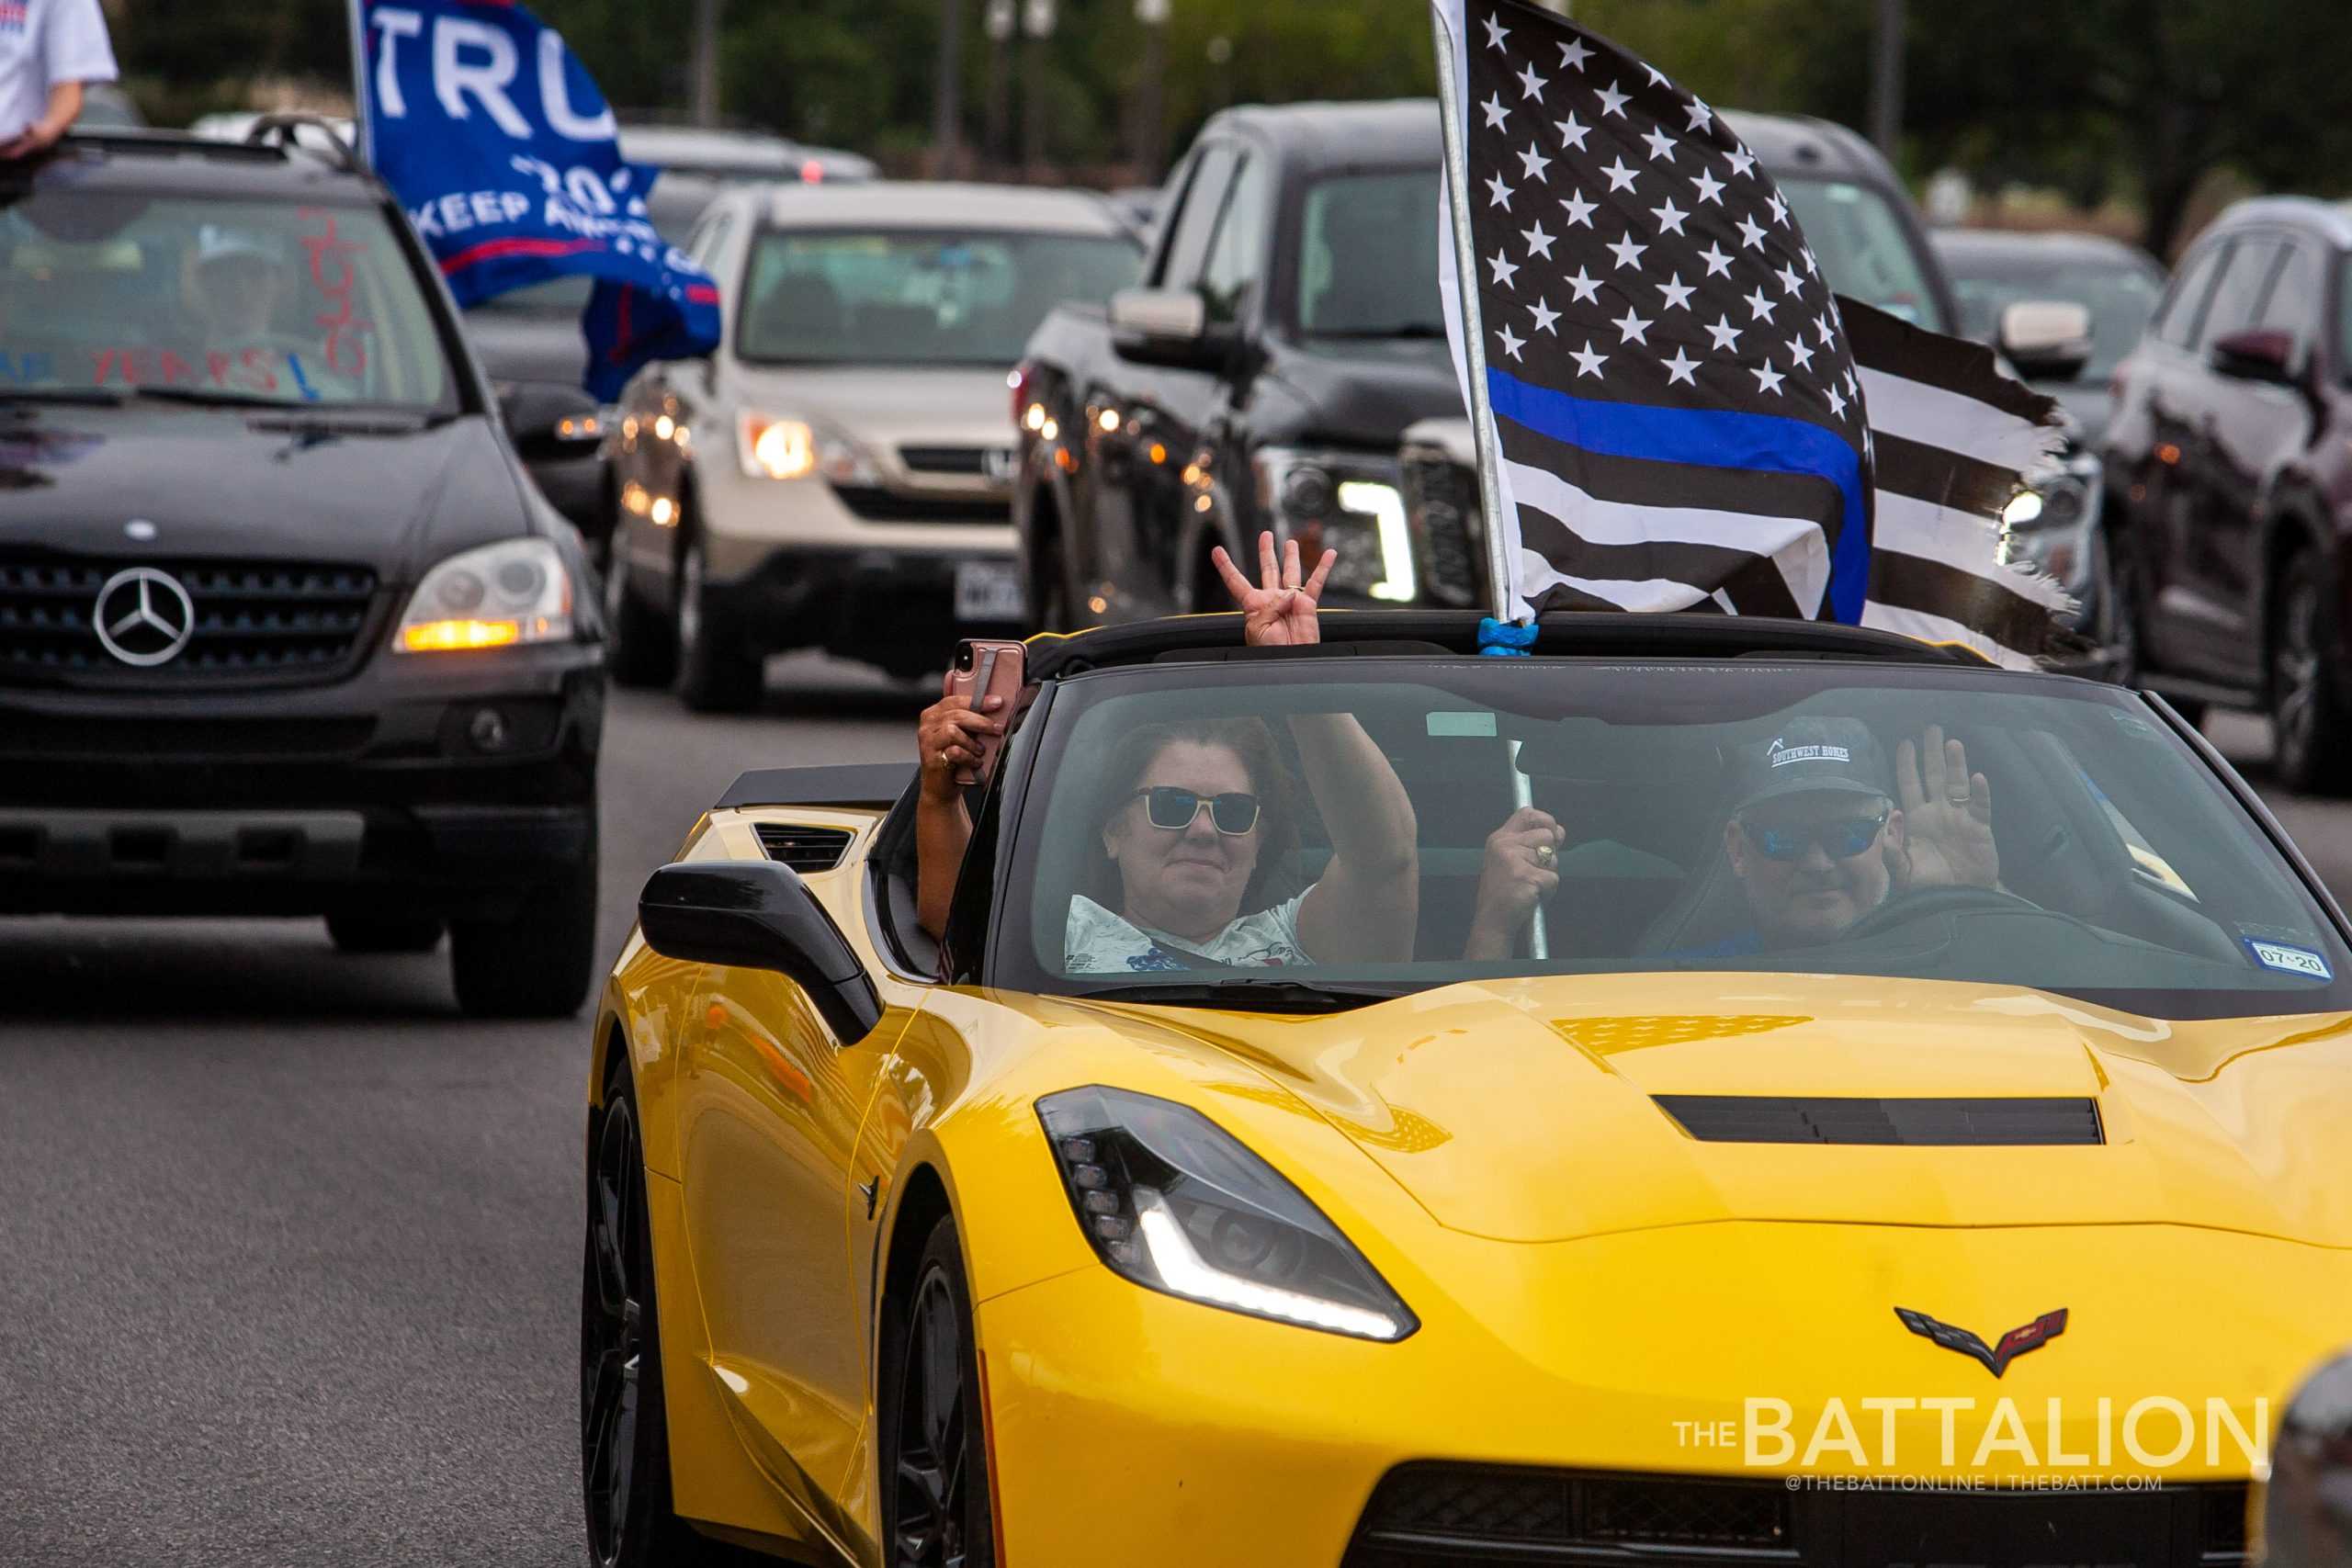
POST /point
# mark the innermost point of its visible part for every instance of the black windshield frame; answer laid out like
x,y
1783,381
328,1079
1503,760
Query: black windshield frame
x,y
993,948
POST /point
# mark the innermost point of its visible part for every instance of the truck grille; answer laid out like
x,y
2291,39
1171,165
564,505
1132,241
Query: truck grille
x,y
1431,1515
256,622
1443,515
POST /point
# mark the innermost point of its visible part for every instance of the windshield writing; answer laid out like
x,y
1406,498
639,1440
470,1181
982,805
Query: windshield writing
x,y
263,300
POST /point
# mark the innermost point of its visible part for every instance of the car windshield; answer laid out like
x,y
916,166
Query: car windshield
x,y
2120,294
1865,250
1367,263
1697,817
243,301
915,297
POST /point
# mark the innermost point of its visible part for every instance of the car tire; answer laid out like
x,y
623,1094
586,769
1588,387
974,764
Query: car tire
x,y
624,1428
716,673
384,933
1051,607
536,964
640,645
2308,712
934,1509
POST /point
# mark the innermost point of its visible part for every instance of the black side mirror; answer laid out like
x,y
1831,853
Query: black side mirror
x,y
2256,354
546,420
1168,326
759,915
2045,339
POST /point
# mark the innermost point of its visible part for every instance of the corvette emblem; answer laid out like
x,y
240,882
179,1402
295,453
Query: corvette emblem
x,y
1996,1357
143,616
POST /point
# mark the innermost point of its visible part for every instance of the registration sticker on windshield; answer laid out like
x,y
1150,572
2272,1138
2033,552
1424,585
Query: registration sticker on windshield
x,y
2288,960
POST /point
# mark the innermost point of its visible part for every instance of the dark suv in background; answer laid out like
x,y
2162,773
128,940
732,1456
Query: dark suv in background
x,y
283,628
2229,467
1286,332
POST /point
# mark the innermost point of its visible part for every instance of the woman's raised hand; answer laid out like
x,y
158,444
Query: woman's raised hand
x,y
1282,610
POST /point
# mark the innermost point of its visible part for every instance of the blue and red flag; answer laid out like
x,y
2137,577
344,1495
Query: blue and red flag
x,y
498,142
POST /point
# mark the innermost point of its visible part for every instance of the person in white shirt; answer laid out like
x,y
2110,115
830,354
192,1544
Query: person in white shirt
x,y
49,48
1196,815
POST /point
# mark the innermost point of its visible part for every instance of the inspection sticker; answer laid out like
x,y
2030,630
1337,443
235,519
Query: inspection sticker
x,y
2288,960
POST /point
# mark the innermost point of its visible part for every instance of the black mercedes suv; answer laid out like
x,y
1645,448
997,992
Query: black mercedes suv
x,y
283,628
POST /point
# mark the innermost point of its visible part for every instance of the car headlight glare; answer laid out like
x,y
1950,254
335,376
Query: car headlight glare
x,y
776,448
1346,502
1176,1204
494,596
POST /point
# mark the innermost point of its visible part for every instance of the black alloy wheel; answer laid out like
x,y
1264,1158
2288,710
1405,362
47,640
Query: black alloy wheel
x,y
540,961
716,672
2307,709
624,1438
1051,608
935,1455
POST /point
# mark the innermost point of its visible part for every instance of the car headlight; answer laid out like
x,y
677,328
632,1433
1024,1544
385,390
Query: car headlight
x,y
1344,500
1176,1204
2047,522
773,447
514,591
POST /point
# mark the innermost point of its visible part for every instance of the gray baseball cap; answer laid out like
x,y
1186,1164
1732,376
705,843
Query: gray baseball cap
x,y
1808,755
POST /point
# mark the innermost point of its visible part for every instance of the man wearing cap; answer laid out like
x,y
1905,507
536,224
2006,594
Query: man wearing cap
x,y
48,49
1819,836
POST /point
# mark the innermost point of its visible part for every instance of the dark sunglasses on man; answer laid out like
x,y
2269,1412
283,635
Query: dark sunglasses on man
x,y
1840,838
1172,808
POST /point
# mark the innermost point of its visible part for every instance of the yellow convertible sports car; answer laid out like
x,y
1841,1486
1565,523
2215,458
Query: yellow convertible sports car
x,y
1713,1091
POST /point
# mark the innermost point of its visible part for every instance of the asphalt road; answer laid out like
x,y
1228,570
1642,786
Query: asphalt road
x,y
289,1251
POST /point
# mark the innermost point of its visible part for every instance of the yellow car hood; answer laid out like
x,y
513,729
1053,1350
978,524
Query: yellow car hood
x,y
1523,1110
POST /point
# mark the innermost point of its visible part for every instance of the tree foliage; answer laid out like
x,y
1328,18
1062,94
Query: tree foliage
x,y
2099,97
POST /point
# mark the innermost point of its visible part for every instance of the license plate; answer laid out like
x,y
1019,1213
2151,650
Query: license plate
x,y
988,591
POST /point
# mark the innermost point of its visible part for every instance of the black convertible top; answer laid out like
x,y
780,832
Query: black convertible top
x,y
1355,634
851,785
1575,633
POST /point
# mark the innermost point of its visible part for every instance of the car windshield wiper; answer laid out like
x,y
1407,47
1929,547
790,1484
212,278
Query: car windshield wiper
x,y
1401,330
1248,996
104,397
223,398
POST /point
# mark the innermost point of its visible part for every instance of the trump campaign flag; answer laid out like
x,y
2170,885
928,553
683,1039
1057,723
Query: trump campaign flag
x,y
497,141
1669,407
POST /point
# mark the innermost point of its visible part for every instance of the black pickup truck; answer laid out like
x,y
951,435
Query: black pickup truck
x,y
1286,332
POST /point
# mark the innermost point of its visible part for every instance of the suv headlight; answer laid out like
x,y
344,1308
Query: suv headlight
x,y
497,596
771,447
1176,1204
1348,501
2050,523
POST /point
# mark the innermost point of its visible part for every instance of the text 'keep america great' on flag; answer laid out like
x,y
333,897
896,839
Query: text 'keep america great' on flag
x,y
507,159
1670,411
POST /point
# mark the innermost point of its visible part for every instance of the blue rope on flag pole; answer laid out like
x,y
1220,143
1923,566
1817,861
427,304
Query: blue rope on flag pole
x,y
1504,639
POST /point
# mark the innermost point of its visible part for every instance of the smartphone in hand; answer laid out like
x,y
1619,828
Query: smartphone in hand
x,y
985,670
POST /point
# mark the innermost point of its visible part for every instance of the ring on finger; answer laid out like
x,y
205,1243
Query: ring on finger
x,y
1545,856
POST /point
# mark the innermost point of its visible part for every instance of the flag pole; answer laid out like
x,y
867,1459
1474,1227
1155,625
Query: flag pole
x,y
1500,598
1501,601
363,128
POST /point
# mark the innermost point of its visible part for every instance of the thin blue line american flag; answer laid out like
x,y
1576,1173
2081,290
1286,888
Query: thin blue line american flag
x,y
1669,392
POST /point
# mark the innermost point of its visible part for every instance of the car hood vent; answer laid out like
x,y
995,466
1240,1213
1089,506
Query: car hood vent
x,y
803,848
1782,1119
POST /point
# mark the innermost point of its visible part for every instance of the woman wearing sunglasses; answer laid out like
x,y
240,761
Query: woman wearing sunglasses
x,y
1199,818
